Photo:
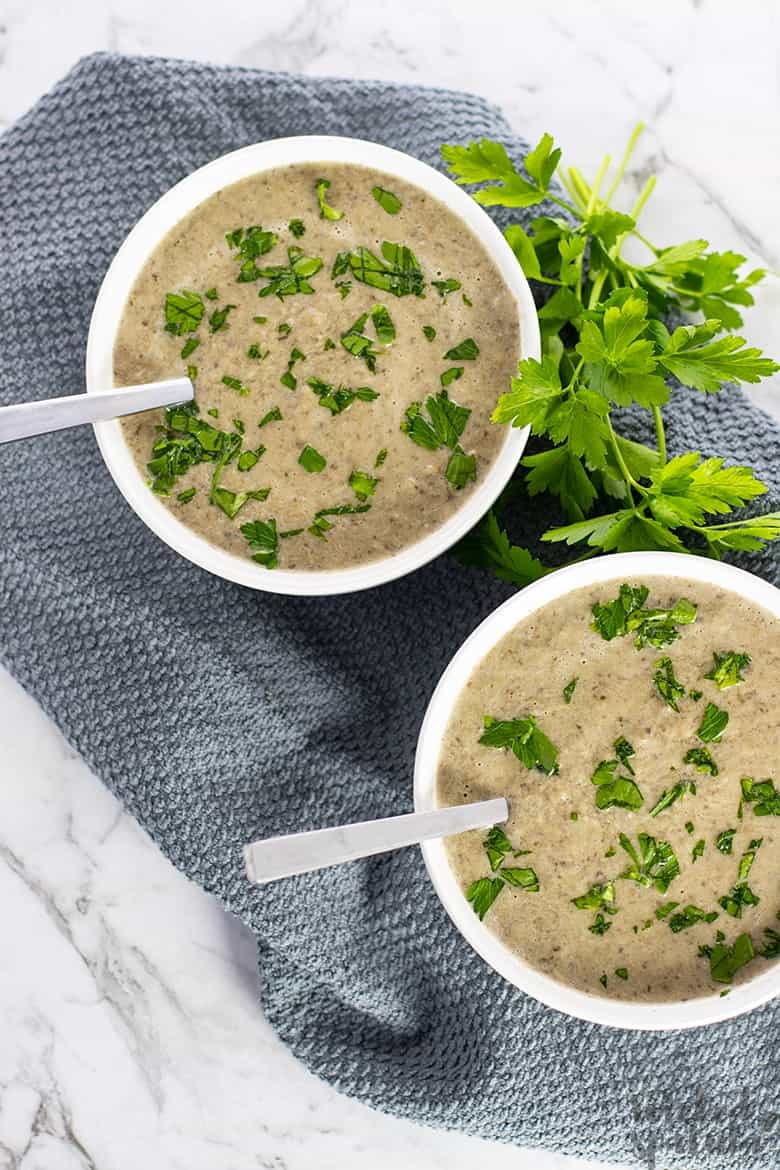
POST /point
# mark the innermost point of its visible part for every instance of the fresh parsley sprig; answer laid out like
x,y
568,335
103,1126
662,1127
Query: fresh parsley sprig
x,y
606,344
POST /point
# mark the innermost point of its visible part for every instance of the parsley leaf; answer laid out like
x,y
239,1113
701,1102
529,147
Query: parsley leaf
x,y
326,212
466,350
429,332
713,724
670,795
261,535
702,760
362,484
337,398
311,460
482,894
667,685
615,790
487,161
598,897
727,671
763,795
250,243
183,312
524,879
525,739
398,272
626,614
445,287
387,200
273,415
297,227
653,864
691,916
724,840
488,547
461,468
235,384
444,425
358,344
292,278
725,961
568,691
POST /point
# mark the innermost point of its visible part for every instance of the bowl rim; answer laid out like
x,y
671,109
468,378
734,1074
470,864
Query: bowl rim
x,y
163,215
641,1016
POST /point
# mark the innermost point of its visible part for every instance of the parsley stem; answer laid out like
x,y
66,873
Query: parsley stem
x,y
594,191
624,161
644,195
660,432
595,292
622,463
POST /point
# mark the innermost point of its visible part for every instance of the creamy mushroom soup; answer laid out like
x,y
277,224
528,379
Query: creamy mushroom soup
x,y
635,731
347,336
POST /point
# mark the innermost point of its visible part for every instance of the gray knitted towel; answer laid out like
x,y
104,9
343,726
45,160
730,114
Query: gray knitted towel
x,y
217,714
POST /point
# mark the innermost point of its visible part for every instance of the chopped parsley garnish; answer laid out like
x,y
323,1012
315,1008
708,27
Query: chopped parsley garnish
x,y
771,944
273,415
461,468
725,961
668,686
482,894
338,398
213,412
211,293
248,459
724,840
218,319
702,760
599,897
326,212
713,724
183,312
291,532
762,795
321,524
670,795
727,671
453,374
695,695
235,384
288,378
383,323
192,373
311,460
624,751
741,894
445,287
190,345
614,789
398,272
466,300
380,457
263,541
574,816
284,328
525,739
429,332
653,864
329,344
496,845
626,615
569,689
257,353
297,227
665,909
287,280
185,496
231,502
690,916
689,827
387,200
621,972
362,484
603,979
185,441
444,425
259,320
465,351
697,850
358,344
523,879
600,925
250,243
344,287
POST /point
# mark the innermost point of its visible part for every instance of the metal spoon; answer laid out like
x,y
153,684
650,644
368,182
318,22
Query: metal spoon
x,y
55,414
279,857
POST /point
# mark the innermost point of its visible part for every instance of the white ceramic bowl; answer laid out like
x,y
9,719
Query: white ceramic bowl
x,y
129,261
630,567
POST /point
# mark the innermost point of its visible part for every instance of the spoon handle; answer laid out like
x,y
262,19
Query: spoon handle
x,y
279,857
24,419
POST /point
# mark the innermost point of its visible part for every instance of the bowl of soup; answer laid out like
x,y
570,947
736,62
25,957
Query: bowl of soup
x,y
348,317
629,709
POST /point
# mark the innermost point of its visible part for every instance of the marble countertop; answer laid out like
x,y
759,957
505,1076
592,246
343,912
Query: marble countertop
x,y
131,1033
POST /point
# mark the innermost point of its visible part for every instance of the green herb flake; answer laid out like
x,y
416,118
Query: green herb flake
x,y
727,671
574,816
461,469
291,279
185,496
600,925
603,979
235,384
248,459
259,320
444,425
387,200
569,689
397,272
429,332
218,319
445,287
697,850
273,415
362,484
297,227
344,287
725,840
465,351
482,894
211,294
311,460
190,345
690,916
380,457
741,894
653,863
621,972
326,212
762,794
329,344
689,827
665,909
695,695
600,896
614,789
257,353
521,879
231,502
525,739
359,344
668,686
337,398
250,244
453,374
383,324
284,328
261,535
626,615
213,412
670,795
713,724
702,760
726,961
183,312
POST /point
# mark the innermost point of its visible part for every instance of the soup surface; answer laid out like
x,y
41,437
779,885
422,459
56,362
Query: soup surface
x,y
346,355
638,783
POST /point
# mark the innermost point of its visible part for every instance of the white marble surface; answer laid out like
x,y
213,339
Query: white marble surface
x,y
130,1031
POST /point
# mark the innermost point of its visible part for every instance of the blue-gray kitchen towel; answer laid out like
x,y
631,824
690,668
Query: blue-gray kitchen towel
x,y
218,714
